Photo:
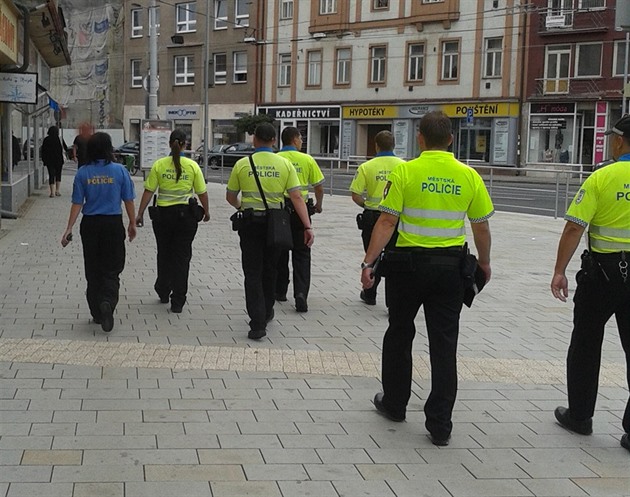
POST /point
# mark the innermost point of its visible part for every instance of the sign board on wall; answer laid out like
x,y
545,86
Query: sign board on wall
x,y
601,111
8,33
182,112
400,129
18,88
154,135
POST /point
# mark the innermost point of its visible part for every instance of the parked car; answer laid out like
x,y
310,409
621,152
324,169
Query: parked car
x,y
216,149
230,155
129,148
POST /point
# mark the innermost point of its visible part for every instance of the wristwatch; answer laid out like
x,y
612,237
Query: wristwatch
x,y
366,265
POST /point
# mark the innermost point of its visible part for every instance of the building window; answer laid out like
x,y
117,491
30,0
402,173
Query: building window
x,y
186,17
378,58
344,64
557,63
450,60
136,74
136,23
220,14
184,74
286,9
380,4
415,54
285,70
494,53
327,7
432,1
588,60
220,68
240,67
314,77
619,58
592,4
242,13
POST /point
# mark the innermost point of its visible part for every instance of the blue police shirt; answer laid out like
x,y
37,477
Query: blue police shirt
x,y
101,187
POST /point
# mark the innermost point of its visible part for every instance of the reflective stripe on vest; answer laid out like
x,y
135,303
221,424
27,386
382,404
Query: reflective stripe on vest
x,y
434,232
619,238
174,195
254,201
433,214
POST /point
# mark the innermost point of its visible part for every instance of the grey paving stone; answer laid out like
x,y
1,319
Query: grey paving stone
x,y
25,474
99,489
274,472
154,428
485,488
167,489
10,458
41,429
245,489
187,441
178,416
332,472
18,442
414,488
305,441
14,428
98,473
105,442
130,416
27,416
74,417
555,469
550,487
33,489
307,488
284,416
194,472
343,456
140,457
362,489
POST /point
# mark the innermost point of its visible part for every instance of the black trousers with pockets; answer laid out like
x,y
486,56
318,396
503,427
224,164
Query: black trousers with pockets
x,y
300,260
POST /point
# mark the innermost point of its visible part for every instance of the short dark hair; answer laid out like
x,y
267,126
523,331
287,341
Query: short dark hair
x,y
53,131
265,132
385,140
436,128
99,147
289,134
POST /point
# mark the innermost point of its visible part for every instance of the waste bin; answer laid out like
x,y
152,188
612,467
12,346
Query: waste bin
x,y
130,161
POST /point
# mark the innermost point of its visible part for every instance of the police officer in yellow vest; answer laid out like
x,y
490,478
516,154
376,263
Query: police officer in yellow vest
x,y
428,197
259,261
176,179
367,192
309,174
603,283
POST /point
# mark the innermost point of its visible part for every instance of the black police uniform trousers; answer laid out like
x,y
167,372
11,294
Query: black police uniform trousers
x,y
439,288
369,220
259,263
103,240
300,260
175,229
596,301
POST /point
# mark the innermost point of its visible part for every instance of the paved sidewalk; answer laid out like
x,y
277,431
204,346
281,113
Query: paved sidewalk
x,y
184,404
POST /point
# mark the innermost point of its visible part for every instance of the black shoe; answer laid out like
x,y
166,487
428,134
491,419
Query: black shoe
x,y
439,441
256,334
563,416
107,317
625,441
300,303
365,299
96,320
164,300
378,403
281,297
176,308
270,317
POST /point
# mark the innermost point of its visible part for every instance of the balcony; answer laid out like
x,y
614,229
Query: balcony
x,y
569,21
577,88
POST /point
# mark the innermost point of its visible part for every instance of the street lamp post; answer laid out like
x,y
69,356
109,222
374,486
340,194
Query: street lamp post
x,y
206,81
153,64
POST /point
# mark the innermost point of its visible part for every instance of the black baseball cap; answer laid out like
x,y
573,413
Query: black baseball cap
x,y
621,127
265,132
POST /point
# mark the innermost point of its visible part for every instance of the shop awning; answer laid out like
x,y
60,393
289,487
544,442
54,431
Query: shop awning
x,y
47,32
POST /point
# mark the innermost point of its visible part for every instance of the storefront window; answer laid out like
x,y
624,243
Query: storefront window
x,y
551,139
324,139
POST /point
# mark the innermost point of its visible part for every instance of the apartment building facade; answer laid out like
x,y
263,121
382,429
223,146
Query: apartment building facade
x,y
187,36
575,72
342,70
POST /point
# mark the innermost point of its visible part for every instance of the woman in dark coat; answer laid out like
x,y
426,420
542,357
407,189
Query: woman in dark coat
x,y
52,156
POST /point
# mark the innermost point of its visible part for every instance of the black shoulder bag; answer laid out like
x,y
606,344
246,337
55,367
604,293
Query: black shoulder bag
x,y
278,220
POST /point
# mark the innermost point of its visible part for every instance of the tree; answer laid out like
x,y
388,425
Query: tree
x,y
247,124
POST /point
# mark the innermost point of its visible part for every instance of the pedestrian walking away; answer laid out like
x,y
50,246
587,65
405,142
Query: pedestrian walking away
x,y
99,189
176,179
277,176
79,146
52,157
367,192
603,283
309,174
428,198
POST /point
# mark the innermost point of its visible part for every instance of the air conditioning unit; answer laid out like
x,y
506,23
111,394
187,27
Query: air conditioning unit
x,y
556,21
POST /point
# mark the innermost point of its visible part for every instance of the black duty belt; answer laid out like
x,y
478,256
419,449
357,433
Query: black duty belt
x,y
438,251
611,256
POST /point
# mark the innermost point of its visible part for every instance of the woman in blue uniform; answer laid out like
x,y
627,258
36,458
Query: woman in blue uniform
x,y
99,189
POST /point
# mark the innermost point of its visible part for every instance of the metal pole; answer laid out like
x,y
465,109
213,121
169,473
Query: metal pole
x,y
153,63
206,81
624,98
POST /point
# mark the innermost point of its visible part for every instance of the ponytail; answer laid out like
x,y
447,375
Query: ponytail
x,y
177,142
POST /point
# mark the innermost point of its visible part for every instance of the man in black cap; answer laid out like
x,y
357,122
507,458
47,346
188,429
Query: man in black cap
x,y
603,283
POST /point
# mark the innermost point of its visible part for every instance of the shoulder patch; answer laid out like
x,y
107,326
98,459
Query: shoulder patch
x,y
386,189
580,195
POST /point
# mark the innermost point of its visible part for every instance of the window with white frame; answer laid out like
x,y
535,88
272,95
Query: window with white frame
x,y
344,64
557,66
136,23
588,60
619,58
136,74
184,70
327,7
314,63
592,4
284,66
378,58
220,14
415,55
240,67
286,9
242,13
380,4
432,1
220,68
450,60
494,54
186,17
